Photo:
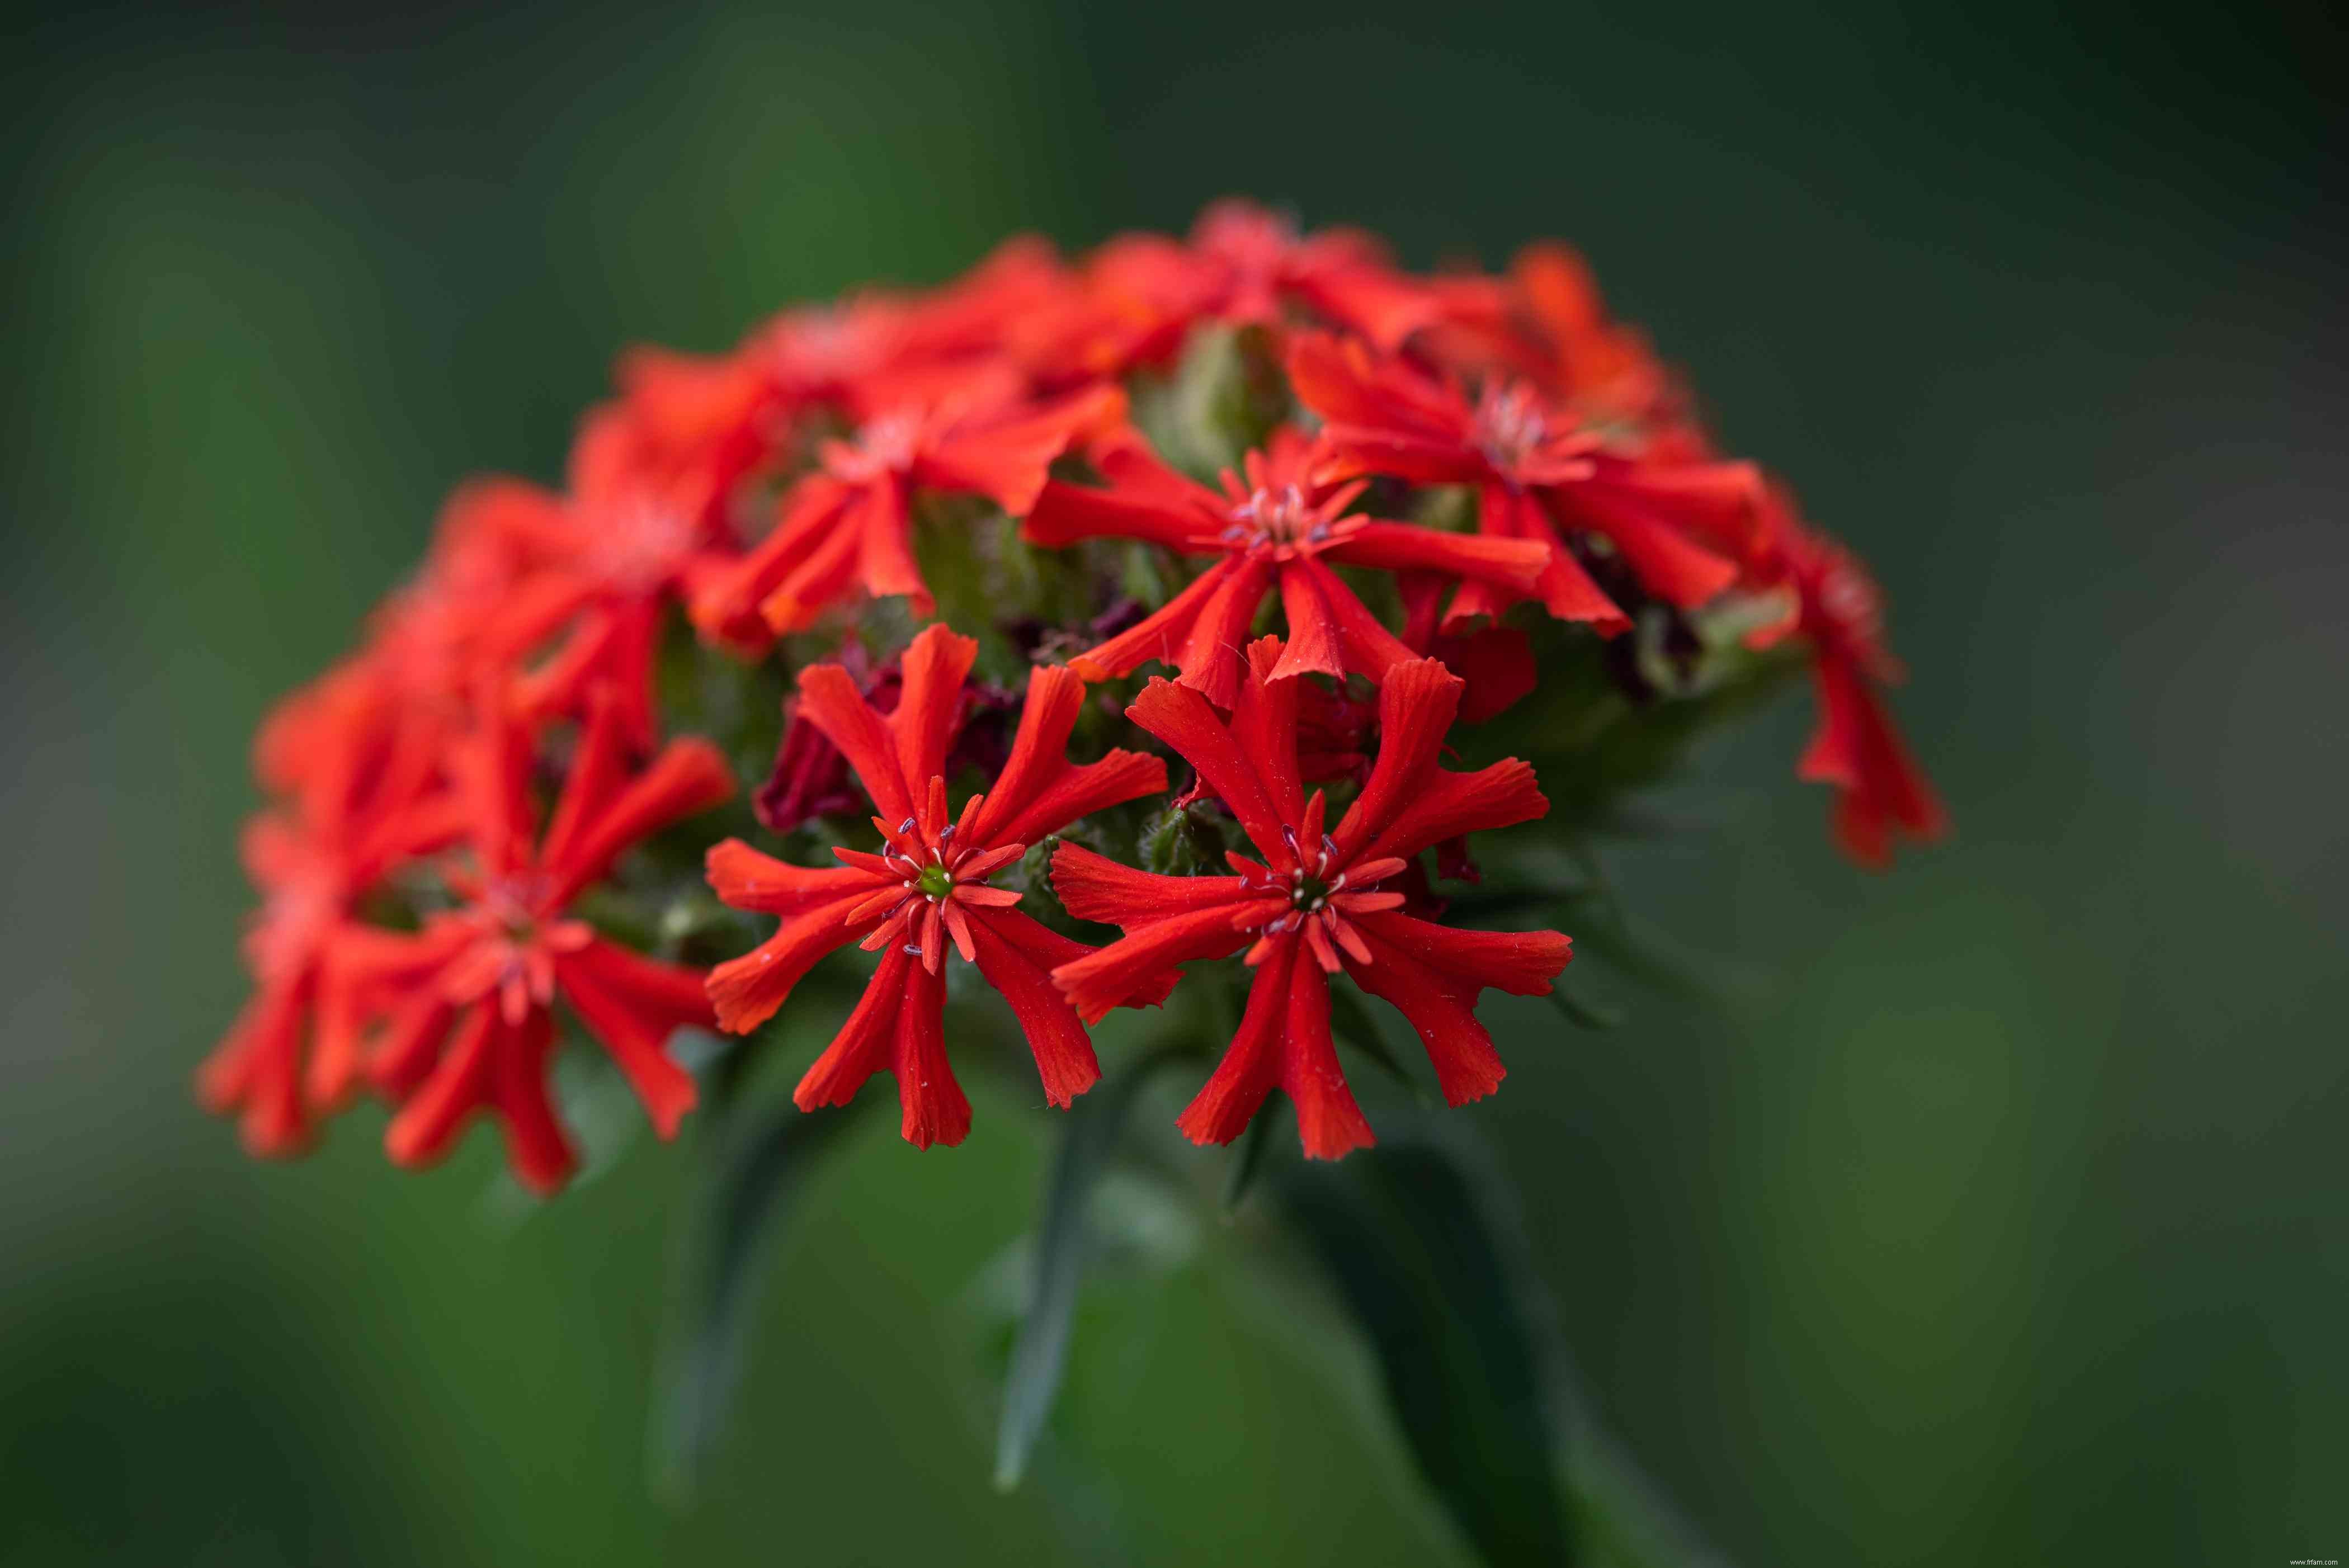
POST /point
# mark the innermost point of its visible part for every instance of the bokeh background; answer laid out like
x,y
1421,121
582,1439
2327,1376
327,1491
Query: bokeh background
x,y
2001,1214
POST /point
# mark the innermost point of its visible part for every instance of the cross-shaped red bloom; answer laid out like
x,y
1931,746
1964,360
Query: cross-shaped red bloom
x,y
466,1003
926,888
850,525
1540,474
1315,902
1277,529
608,558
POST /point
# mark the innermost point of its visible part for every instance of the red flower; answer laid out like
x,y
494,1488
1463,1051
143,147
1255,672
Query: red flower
x,y
434,636
850,525
1276,532
1314,903
364,797
1600,367
1883,794
1246,266
928,886
466,1000
607,561
1539,473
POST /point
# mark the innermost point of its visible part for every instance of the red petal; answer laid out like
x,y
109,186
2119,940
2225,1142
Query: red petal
x,y
742,877
1047,949
1339,380
1383,306
1264,723
1313,640
493,769
1496,663
1251,1064
727,607
1443,1013
428,1122
1157,637
746,991
258,1067
1094,887
689,776
1856,748
883,523
987,862
1182,719
936,663
1210,655
1104,979
410,1046
1119,777
1564,588
1416,706
537,1150
1063,1053
821,574
1065,514
1513,563
1039,792
863,1046
1642,519
1007,460
1446,805
633,1005
932,1105
1521,962
1328,1123
829,700
1369,649
955,912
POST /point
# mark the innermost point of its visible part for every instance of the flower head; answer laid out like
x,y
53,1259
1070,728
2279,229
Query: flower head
x,y
849,526
465,1004
1317,899
928,887
1276,529
1540,473
363,791
607,561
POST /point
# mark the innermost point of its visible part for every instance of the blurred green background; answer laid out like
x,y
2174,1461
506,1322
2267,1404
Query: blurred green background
x,y
1999,1217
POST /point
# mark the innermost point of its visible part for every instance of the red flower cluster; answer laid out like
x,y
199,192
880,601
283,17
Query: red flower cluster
x,y
419,927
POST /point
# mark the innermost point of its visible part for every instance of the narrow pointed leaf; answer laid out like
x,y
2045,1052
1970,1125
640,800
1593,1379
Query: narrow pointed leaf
x,y
1039,1356
1398,1231
753,1184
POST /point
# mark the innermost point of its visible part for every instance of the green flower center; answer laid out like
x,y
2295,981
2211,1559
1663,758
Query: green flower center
x,y
934,880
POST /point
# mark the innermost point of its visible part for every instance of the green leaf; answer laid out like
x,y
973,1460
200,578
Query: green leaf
x,y
753,1183
1400,1234
1039,1356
